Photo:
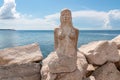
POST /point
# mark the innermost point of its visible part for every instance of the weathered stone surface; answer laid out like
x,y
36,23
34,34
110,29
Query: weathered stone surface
x,y
45,73
118,63
100,52
117,41
90,70
82,63
78,74
27,71
51,76
21,54
90,67
90,78
107,72
62,64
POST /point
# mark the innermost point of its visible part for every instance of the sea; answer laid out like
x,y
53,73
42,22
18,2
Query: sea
x,y
45,38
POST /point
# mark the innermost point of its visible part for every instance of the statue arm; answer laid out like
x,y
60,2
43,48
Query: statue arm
x,y
55,38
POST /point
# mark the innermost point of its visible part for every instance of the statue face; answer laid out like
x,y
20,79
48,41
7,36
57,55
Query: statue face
x,y
66,16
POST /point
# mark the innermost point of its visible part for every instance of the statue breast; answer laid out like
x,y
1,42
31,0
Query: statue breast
x,y
62,35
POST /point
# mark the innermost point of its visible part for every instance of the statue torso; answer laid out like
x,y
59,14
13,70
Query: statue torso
x,y
66,41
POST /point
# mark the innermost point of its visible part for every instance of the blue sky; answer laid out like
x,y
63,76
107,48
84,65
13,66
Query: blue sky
x,y
46,7
44,14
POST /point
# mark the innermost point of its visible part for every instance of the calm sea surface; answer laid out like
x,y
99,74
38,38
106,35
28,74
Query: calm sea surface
x,y
46,38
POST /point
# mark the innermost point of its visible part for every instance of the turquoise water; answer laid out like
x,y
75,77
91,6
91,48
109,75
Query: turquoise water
x,y
46,38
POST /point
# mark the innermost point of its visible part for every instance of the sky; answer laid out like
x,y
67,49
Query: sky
x,y
45,14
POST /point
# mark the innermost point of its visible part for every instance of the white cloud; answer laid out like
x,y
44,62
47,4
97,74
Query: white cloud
x,y
27,24
114,18
8,10
92,19
83,19
53,16
11,19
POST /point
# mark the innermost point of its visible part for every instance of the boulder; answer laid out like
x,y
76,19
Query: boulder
x,y
100,52
107,72
21,54
82,63
117,41
27,71
58,64
77,74
63,63
45,72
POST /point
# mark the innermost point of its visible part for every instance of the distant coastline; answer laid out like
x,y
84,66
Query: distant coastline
x,y
7,30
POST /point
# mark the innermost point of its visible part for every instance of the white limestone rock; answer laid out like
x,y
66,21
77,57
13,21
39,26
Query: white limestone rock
x,y
100,52
20,54
107,72
117,41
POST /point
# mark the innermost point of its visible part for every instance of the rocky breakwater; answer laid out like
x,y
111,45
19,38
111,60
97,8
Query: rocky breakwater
x,y
20,63
98,60
117,41
65,62
103,59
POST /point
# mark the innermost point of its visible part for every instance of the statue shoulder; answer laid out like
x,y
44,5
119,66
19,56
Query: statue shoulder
x,y
56,30
76,30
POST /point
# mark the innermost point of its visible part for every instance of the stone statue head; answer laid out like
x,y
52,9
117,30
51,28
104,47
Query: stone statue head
x,y
65,17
